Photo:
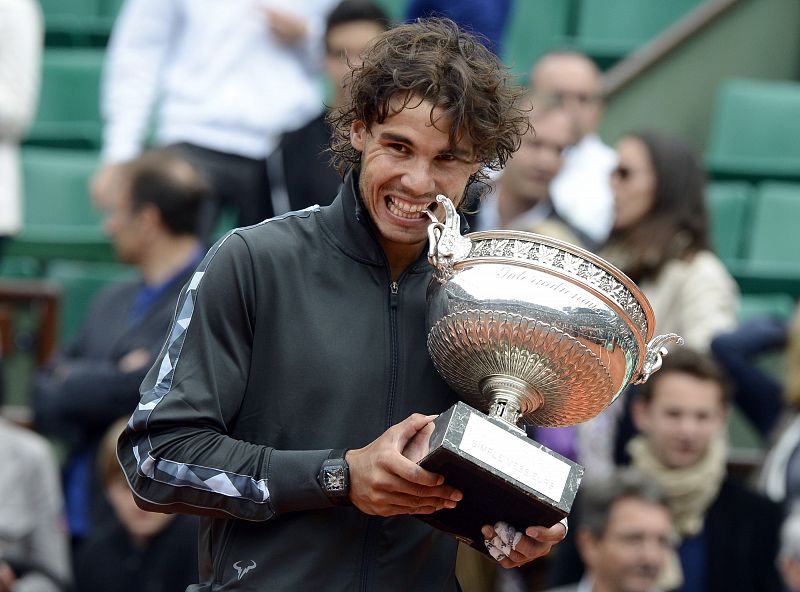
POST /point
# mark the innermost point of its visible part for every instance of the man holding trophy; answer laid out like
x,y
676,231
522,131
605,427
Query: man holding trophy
x,y
296,372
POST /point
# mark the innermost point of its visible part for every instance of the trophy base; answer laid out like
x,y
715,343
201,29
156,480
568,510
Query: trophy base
x,y
503,475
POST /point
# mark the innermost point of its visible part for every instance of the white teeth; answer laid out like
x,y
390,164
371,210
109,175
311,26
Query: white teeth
x,y
405,209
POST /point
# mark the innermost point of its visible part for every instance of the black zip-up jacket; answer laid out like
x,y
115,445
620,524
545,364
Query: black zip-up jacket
x,y
290,340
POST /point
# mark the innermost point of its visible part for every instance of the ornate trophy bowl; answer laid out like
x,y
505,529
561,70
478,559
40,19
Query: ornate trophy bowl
x,y
527,330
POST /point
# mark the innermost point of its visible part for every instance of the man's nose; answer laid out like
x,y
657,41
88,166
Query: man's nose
x,y
654,552
418,178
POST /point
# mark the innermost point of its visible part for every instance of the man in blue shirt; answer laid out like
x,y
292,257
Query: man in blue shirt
x,y
153,225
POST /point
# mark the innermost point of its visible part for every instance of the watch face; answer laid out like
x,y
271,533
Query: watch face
x,y
335,479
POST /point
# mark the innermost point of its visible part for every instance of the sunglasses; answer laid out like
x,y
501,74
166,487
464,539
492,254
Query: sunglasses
x,y
622,173
580,98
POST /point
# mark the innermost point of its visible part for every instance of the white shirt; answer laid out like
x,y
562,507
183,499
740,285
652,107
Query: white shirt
x,y
222,79
581,191
488,217
20,63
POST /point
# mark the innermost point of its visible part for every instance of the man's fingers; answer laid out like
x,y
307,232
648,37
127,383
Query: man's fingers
x,y
554,534
511,548
415,494
407,429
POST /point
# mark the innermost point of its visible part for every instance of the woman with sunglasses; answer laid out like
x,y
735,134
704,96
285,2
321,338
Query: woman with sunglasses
x,y
660,238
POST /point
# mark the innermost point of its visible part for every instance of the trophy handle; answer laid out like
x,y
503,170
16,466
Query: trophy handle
x,y
654,354
446,245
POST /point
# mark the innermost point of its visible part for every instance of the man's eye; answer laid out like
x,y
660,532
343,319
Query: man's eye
x,y
446,157
398,147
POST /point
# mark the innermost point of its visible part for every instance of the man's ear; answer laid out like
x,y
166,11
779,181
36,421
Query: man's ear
x,y
358,135
587,547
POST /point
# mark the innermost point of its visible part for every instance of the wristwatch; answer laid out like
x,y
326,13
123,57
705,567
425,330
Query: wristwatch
x,y
334,478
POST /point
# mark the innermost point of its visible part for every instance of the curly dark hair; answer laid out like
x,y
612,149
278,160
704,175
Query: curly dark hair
x,y
433,60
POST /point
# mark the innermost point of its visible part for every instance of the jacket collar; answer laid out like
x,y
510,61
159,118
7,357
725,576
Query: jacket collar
x,y
350,227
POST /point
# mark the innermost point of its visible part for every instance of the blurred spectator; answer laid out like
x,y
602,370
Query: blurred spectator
x,y
300,169
20,56
789,555
623,535
728,534
780,475
34,554
520,198
229,78
153,226
660,238
581,191
756,391
136,551
486,18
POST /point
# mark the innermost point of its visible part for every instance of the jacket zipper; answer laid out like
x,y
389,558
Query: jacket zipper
x,y
394,297
394,290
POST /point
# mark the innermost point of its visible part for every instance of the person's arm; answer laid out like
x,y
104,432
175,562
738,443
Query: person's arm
x,y
76,391
93,393
47,561
20,56
177,452
708,299
303,34
140,43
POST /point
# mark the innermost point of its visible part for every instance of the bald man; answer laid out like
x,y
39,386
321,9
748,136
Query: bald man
x,y
581,191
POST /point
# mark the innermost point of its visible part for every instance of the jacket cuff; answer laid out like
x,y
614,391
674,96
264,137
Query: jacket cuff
x,y
292,480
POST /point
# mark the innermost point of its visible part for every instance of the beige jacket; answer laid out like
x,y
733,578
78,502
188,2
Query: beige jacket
x,y
20,58
697,299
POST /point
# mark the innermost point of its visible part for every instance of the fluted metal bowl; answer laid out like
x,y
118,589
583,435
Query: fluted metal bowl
x,y
532,329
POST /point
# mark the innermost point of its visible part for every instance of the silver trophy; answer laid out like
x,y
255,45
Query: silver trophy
x,y
527,330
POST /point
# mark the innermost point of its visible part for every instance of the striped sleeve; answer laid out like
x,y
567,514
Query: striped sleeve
x,y
176,451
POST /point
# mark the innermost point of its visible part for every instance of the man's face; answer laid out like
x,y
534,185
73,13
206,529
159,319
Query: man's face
x,y
682,418
123,225
528,173
632,551
575,83
406,161
346,42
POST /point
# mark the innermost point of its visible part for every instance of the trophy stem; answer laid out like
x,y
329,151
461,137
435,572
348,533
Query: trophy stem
x,y
510,398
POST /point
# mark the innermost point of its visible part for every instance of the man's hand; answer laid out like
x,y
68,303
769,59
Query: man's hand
x,y
135,360
289,29
386,483
7,577
513,549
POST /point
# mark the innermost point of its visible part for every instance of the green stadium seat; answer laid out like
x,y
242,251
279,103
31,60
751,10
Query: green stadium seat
x,y
776,305
69,104
396,9
771,262
109,9
20,267
728,204
80,281
755,131
607,30
76,23
59,220
776,224
533,29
